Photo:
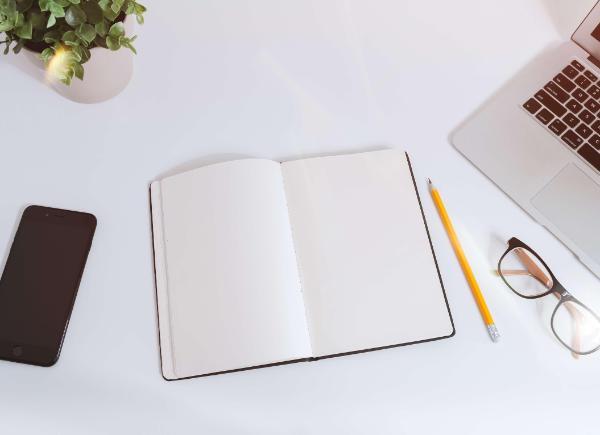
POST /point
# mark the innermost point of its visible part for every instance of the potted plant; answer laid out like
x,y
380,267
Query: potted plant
x,y
67,36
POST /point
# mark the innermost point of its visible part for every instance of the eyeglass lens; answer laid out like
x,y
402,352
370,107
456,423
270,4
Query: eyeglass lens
x,y
576,327
524,273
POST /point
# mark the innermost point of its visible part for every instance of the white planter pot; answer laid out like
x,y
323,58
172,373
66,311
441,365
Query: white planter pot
x,y
107,73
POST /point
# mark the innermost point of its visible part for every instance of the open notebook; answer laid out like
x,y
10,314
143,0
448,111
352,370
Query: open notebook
x,y
259,262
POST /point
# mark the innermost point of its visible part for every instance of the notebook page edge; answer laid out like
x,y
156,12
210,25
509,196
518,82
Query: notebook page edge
x,y
298,265
160,276
452,332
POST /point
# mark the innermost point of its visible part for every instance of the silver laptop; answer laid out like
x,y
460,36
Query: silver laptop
x,y
538,139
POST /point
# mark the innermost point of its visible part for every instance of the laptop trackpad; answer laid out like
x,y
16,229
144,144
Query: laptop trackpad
x,y
571,201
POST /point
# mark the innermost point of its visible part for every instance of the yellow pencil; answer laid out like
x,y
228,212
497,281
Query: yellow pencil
x,y
462,259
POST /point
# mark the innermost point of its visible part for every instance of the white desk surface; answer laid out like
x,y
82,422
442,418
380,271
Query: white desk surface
x,y
281,79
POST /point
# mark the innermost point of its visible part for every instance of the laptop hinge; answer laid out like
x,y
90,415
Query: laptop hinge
x,y
595,61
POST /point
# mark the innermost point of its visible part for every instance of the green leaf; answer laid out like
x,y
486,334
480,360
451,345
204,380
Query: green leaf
x,y
70,38
102,28
44,5
117,5
116,30
8,10
75,16
113,43
85,54
93,12
78,70
67,77
19,20
8,7
47,54
134,8
6,25
9,17
24,31
56,10
51,21
76,52
109,14
130,46
52,36
87,32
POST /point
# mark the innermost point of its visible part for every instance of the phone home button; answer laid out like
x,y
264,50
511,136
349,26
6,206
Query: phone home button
x,y
17,351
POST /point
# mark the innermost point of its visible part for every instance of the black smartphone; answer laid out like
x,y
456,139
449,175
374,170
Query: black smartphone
x,y
40,281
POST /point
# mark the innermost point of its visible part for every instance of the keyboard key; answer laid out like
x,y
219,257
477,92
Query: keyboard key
x,y
590,155
584,131
532,105
558,127
592,105
574,106
564,82
579,95
596,126
583,82
594,91
586,116
570,72
572,121
571,139
554,90
590,76
595,141
550,103
577,65
545,116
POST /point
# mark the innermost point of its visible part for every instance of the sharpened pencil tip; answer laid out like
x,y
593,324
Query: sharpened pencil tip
x,y
429,181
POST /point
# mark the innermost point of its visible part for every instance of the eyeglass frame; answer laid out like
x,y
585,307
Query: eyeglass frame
x,y
557,289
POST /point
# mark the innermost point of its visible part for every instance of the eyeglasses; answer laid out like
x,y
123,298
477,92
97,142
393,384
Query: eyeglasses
x,y
527,275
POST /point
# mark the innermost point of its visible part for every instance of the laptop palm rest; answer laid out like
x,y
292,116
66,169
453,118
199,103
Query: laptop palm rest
x,y
571,201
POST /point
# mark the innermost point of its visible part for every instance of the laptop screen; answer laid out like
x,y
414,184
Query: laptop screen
x,y
587,35
596,33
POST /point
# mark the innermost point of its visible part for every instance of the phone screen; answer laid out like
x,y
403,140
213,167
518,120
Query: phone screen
x,y
40,281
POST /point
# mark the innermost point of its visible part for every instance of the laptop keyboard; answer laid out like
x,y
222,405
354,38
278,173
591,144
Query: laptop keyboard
x,y
569,107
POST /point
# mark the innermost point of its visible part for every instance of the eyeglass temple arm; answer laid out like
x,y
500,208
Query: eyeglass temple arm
x,y
534,270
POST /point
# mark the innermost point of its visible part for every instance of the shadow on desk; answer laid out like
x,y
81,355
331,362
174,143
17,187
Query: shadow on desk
x,y
25,62
6,249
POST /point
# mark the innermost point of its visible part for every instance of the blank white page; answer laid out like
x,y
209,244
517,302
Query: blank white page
x,y
366,264
232,285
